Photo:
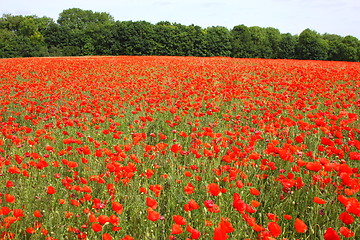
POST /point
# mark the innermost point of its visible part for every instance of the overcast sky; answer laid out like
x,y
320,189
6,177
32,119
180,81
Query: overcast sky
x,y
340,17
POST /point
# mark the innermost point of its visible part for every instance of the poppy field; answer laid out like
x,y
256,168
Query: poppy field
x,y
179,148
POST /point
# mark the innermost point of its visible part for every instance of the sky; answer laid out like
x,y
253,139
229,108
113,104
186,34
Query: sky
x,y
340,17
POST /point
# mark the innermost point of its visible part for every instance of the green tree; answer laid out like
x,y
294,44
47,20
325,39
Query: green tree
x,y
342,48
351,50
196,41
273,40
334,42
167,39
241,41
259,46
76,18
8,44
133,38
23,36
255,42
84,32
10,22
287,46
55,38
218,40
312,46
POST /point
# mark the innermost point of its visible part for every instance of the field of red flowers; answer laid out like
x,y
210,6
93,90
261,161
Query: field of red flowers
x,y
179,148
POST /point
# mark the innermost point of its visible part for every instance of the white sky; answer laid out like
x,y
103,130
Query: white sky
x,y
340,17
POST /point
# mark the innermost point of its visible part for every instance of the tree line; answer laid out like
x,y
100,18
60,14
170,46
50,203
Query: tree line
x,y
80,32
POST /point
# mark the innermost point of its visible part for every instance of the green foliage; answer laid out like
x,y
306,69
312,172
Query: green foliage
x,y
350,49
196,40
312,46
273,41
256,42
84,32
75,18
259,46
23,36
218,40
288,46
241,40
80,32
133,38
165,35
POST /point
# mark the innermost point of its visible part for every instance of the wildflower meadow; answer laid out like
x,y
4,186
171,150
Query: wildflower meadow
x,y
145,147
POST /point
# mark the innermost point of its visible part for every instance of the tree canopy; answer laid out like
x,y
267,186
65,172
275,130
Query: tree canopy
x,y
80,32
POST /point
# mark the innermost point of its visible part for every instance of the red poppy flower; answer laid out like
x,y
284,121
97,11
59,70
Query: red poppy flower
x,y
179,220
10,198
299,139
37,214
176,229
195,234
156,189
300,226
319,200
127,237
254,191
331,234
153,215
191,205
189,189
96,227
272,216
214,189
14,170
5,211
274,229
255,203
346,218
50,190
214,209
9,184
220,234
314,166
103,219
226,225
238,203
176,148
18,213
150,202
239,184
354,156
117,207
106,236
30,230
346,232
254,156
